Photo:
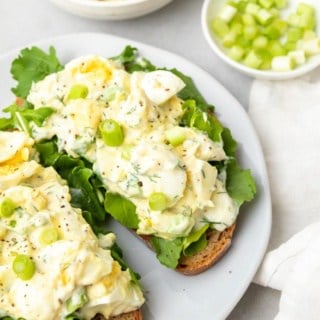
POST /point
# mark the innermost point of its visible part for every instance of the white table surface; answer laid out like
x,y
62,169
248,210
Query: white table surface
x,y
175,28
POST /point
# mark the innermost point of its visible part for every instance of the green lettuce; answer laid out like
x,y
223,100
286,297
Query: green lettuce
x,y
80,180
122,209
22,115
168,251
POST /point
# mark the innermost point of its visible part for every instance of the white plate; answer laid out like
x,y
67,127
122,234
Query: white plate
x,y
171,296
110,9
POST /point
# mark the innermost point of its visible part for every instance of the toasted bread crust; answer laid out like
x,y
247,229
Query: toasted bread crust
x,y
218,244
133,315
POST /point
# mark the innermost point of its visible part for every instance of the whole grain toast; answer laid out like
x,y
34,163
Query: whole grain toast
x,y
133,315
218,244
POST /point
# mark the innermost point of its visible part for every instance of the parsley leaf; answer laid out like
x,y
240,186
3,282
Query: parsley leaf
x,y
31,66
240,183
122,209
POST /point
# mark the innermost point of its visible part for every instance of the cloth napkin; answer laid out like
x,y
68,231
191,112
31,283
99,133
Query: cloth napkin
x,y
286,116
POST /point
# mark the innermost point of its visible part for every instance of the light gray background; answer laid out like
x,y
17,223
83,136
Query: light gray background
x,y
176,28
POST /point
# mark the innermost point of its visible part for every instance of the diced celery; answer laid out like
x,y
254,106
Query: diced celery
x,y
290,45
243,42
219,27
242,6
282,63
311,47
227,13
309,34
293,20
307,21
266,64
175,136
260,42
294,34
229,40
276,49
264,17
276,29
234,2
252,9
236,53
298,56
275,12
250,32
267,4
305,9
266,57
280,4
248,19
236,28
252,60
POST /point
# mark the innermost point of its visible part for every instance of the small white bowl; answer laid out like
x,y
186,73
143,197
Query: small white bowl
x,y
211,8
110,9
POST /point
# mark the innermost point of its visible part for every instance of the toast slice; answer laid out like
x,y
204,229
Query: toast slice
x,y
218,244
133,315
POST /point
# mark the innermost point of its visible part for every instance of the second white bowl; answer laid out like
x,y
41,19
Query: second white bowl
x,y
212,7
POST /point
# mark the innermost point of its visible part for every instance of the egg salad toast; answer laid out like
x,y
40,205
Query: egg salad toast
x,y
52,264
151,149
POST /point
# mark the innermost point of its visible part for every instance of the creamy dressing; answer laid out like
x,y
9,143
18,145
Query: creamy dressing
x,y
76,262
146,106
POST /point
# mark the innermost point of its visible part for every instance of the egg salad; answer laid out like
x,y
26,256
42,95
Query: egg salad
x,y
52,264
128,126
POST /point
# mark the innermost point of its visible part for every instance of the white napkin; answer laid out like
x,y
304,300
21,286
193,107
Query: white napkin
x,y
286,116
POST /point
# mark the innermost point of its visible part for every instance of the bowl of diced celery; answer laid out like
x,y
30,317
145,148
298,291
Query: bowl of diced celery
x,y
266,39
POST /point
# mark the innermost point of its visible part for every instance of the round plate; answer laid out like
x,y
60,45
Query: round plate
x,y
214,293
110,9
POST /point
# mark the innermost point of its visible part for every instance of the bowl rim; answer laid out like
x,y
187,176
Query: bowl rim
x,y
262,74
108,3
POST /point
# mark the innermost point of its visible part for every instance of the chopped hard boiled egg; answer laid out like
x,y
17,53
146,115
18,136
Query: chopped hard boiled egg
x,y
127,126
161,85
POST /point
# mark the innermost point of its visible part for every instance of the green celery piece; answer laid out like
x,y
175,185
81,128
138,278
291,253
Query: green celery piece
x,y
220,27
253,60
168,251
294,34
121,209
33,65
77,301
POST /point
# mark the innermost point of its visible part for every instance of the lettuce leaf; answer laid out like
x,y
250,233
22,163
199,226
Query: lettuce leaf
x,y
22,115
240,183
122,209
80,180
117,254
194,117
168,251
195,242
33,65
129,59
